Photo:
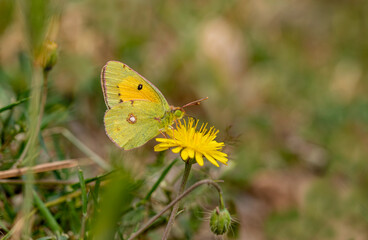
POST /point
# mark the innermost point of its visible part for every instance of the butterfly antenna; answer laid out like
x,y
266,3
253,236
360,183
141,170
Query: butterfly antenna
x,y
196,102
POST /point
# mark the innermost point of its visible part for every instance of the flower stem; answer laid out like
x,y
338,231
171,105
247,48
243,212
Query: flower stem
x,y
222,204
188,166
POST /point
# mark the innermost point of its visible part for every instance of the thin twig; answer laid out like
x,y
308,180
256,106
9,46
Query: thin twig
x,y
45,167
184,194
41,182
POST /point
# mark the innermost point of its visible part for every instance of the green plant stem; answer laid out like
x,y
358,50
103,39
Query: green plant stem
x,y
31,151
222,204
39,121
188,166
183,195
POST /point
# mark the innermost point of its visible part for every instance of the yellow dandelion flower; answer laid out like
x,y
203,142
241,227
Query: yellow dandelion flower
x,y
193,144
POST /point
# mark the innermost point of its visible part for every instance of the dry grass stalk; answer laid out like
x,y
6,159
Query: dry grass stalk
x,y
45,167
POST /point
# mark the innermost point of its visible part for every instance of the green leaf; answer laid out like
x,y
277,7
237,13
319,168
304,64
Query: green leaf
x,y
10,106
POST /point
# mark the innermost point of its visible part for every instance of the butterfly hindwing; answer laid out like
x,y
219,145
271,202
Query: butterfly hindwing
x,y
131,124
120,83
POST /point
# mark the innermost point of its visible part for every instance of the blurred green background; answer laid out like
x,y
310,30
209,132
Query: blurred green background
x,y
287,87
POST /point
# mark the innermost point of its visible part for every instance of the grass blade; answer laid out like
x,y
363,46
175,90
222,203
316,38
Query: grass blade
x,y
84,191
50,220
84,203
10,106
102,177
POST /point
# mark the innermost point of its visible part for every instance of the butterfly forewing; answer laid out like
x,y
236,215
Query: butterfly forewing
x,y
120,83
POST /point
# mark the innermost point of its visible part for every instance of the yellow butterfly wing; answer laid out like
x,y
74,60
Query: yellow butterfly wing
x,y
120,83
131,124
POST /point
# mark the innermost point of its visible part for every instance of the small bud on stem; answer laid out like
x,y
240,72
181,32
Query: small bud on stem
x,y
220,221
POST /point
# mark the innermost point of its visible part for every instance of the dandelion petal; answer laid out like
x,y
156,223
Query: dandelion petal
x,y
159,148
190,153
177,149
213,161
199,158
184,154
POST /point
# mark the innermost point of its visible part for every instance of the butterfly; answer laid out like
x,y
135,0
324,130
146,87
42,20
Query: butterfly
x,y
136,110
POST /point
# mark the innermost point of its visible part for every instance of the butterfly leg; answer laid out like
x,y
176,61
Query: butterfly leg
x,y
176,125
163,133
172,129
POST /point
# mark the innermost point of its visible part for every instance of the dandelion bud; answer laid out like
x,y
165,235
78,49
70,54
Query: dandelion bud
x,y
220,221
49,55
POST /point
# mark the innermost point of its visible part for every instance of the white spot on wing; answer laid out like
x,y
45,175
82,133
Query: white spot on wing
x,y
131,118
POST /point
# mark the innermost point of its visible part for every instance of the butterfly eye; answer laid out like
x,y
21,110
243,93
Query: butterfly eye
x,y
140,86
178,113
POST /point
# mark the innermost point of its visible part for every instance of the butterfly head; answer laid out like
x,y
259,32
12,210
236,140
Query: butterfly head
x,y
177,112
